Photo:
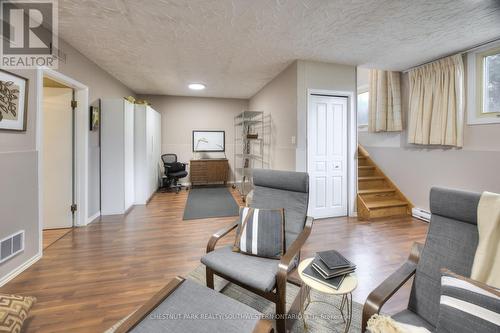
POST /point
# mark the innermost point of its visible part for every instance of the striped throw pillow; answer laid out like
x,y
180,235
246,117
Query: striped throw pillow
x,y
467,305
261,232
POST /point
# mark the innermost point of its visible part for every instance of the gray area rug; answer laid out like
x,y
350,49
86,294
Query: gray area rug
x,y
320,317
206,202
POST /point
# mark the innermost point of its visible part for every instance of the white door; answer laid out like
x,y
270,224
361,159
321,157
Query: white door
x,y
327,156
57,158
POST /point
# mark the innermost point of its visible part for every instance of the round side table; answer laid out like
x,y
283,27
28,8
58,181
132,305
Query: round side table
x,y
345,290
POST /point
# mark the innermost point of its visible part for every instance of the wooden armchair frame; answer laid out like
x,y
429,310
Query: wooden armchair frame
x,y
380,295
278,294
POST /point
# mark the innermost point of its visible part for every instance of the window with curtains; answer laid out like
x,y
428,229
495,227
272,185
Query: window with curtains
x,y
363,110
436,103
483,96
384,102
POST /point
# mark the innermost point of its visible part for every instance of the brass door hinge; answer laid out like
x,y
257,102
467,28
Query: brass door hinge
x,y
74,208
74,104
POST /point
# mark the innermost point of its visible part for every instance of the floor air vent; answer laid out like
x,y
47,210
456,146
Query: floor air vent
x,y
11,245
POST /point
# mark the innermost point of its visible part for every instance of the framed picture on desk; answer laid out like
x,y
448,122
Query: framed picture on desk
x,y
209,141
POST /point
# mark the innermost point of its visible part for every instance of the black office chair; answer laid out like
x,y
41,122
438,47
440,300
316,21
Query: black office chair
x,y
173,172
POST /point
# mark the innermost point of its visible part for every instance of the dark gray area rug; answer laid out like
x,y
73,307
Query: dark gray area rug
x,y
206,202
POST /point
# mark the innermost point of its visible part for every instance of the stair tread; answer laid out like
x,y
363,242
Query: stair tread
x,y
366,167
371,178
376,190
386,203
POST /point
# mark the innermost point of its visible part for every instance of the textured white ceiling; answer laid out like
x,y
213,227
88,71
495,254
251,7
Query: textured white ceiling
x,y
236,47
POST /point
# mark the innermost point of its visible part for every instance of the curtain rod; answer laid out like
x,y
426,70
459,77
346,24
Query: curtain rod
x,y
450,54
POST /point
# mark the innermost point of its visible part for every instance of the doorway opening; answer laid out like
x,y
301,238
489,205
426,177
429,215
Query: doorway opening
x,y
67,129
58,160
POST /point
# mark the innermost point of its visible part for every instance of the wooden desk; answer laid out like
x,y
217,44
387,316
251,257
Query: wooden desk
x,y
206,171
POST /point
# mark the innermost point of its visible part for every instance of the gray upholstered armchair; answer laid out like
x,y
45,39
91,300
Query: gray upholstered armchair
x,y
451,243
267,277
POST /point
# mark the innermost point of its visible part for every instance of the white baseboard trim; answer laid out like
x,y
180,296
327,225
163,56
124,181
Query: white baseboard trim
x,y
93,217
421,214
20,269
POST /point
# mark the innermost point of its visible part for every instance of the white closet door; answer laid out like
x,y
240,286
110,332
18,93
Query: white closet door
x,y
129,154
327,156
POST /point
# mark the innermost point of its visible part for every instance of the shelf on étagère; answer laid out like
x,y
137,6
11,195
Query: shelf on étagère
x,y
248,122
254,156
249,114
249,139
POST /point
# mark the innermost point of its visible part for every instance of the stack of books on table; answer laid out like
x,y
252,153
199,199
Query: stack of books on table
x,y
329,268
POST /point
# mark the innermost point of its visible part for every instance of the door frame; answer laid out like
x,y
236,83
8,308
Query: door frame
x,y
352,141
81,123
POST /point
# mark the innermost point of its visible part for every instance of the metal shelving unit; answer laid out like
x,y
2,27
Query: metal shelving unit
x,y
248,148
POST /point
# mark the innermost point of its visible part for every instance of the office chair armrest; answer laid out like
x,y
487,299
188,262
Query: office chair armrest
x,y
219,234
380,295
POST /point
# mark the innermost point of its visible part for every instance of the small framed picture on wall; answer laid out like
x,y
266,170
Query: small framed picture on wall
x,y
94,118
13,101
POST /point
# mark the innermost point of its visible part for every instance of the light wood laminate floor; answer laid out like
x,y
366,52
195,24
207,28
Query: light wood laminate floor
x,y
96,275
50,236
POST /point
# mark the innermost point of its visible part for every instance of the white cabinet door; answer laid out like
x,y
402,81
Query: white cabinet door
x,y
327,156
129,154
151,155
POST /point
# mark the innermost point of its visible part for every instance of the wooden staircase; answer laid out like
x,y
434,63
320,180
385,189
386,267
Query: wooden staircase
x,y
378,196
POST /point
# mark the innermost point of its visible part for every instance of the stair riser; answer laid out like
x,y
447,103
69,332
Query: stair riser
x,y
370,197
366,172
363,161
389,211
363,213
370,184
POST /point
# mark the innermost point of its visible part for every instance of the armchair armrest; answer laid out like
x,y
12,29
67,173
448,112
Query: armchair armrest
x,y
294,249
219,234
380,295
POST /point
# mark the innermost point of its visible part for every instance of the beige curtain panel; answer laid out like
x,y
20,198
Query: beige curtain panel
x,y
436,115
384,113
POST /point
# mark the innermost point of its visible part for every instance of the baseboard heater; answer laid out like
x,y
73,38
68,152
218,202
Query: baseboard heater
x,y
421,214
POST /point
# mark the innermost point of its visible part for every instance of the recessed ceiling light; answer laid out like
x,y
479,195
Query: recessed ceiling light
x,y
197,86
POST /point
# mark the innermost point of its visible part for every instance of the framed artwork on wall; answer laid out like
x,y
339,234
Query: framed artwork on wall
x,y
94,118
13,101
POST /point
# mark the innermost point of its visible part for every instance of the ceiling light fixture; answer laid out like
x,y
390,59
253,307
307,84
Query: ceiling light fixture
x,y
197,86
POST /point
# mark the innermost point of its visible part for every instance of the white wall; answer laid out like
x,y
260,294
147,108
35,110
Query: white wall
x,y
278,101
323,76
19,158
285,100
101,85
19,183
415,169
181,115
